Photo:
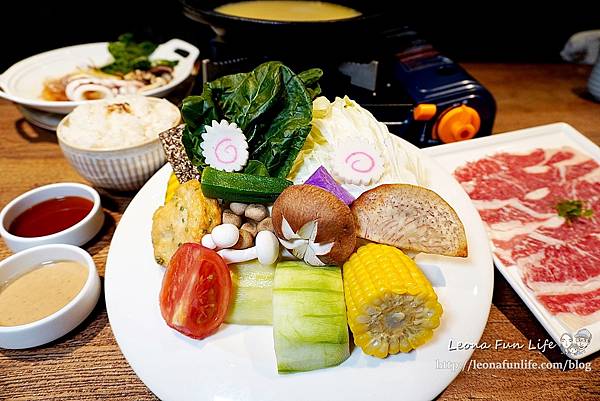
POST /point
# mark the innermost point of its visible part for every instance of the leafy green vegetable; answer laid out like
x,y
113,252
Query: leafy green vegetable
x,y
255,167
270,104
310,78
572,209
166,63
130,56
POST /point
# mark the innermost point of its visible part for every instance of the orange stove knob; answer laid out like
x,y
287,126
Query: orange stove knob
x,y
458,124
424,112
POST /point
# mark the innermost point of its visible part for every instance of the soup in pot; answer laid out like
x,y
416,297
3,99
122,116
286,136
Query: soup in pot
x,y
292,11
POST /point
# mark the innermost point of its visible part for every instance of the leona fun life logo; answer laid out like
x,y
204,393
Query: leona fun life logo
x,y
575,345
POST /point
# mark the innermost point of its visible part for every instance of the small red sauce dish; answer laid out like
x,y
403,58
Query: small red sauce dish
x,y
65,213
51,216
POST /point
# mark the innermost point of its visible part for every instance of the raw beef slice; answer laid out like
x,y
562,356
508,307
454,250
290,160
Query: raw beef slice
x,y
516,196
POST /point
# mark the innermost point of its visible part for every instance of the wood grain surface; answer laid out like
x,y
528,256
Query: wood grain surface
x,y
88,365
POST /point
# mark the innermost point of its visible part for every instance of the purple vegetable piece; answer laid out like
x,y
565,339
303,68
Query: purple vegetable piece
x,y
322,179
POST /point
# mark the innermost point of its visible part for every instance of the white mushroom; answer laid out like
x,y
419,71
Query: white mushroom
x,y
256,212
207,242
266,250
251,227
238,208
230,217
225,235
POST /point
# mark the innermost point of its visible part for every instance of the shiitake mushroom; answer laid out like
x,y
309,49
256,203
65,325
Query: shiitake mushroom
x,y
300,204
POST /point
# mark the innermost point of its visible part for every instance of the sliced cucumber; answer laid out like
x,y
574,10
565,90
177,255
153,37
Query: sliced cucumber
x,y
252,293
309,317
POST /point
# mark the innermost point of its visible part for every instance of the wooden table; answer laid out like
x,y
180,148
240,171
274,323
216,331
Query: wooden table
x,y
87,363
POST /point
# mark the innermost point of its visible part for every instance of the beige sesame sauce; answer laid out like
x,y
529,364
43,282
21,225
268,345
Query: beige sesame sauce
x,y
40,292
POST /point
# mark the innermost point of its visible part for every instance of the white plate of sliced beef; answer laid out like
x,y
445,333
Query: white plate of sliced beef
x,y
537,191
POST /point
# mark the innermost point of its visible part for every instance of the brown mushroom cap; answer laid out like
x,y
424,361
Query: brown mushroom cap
x,y
303,203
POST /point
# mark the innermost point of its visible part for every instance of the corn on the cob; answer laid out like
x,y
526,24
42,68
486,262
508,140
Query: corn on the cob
x,y
391,304
172,185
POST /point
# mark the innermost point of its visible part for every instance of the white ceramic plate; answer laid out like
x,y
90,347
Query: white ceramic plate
x,y
40,118
23,82
238,362
548,136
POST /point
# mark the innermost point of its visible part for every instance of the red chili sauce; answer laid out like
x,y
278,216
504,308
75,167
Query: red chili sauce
x,y
51,216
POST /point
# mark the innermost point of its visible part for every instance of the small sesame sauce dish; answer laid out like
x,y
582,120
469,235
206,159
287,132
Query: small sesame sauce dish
x,y
64,213
45,292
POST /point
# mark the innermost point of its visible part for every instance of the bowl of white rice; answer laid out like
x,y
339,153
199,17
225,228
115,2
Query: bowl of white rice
x,y
114,143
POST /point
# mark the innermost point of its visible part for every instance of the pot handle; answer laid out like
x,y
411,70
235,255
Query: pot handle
x,y
3,93
178,49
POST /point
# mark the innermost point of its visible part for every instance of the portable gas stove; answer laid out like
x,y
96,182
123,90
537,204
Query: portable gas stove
x,y
421,95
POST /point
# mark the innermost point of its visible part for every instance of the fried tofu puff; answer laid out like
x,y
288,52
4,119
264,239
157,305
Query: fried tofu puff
x,y
186,217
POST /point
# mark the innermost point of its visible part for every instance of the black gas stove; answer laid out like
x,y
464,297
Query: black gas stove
x,y
420,94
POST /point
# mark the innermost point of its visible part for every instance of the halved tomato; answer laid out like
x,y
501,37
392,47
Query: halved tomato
x,y
195,291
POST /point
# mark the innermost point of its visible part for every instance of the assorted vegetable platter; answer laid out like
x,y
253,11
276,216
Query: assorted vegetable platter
x,y
303,238
265,119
